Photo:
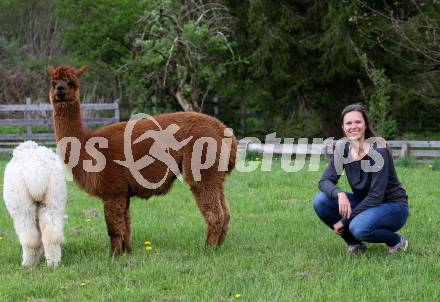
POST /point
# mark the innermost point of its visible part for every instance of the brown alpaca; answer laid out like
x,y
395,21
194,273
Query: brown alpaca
x,y
115,184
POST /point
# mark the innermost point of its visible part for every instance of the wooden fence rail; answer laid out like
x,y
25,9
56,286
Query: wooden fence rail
x,y
9,140
423,151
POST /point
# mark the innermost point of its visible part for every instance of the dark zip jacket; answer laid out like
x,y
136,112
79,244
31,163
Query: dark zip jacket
x,y
372,186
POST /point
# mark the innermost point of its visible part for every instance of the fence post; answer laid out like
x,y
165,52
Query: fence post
x,y
28,116
404,152
329,147
117,113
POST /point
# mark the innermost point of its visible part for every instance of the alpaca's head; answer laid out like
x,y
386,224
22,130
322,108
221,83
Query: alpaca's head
x,y
64,85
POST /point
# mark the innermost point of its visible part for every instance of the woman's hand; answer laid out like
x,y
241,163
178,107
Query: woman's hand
x,y
344,205
338,227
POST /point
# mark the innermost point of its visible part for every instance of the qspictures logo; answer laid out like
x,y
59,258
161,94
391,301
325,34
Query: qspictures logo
x,y
164,140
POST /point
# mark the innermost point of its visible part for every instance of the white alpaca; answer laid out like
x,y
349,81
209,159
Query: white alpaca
x,y
35,195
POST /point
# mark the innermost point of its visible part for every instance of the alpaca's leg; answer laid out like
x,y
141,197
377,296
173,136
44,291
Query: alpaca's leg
x,y
23,211
208,201
226,216
32,251
25,222
115,218
51,221
51,218
126,243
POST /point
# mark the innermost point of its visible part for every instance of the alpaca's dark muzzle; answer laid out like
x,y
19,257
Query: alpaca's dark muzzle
x,y
60,93
60,98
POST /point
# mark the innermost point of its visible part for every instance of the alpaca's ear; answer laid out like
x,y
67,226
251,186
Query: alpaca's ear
x,y
51,69
81,71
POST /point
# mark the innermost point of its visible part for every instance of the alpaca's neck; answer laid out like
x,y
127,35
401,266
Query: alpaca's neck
x,y
68,124
67,121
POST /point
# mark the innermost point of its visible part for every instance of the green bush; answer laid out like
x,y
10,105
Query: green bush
x,y
407,162
253,155
436,164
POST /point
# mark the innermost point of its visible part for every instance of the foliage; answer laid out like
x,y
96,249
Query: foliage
x,y
100,33
399,37
300,67
379,105
183,49
292,65
32,25
98,30
253,155
436,164
420,136
302,55
28,37
407,162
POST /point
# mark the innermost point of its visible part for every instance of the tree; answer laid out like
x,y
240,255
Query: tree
x,y
378,99
98,33
33,26
29,37
301,68
183,49
401,37
98,30
302,65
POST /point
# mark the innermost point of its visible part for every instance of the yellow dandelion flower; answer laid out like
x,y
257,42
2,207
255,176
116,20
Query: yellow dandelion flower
x,y
82,284
147,242
237,296
88,220
148,248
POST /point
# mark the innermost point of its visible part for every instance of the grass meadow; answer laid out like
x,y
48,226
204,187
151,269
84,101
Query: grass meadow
x,y
276,249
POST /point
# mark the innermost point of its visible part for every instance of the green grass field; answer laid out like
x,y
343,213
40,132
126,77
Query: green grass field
x,y
276,249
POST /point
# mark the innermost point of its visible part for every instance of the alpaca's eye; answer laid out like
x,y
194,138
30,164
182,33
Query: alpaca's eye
x,y
54,84
71,83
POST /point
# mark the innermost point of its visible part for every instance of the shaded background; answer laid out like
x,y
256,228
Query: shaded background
x,y
284,66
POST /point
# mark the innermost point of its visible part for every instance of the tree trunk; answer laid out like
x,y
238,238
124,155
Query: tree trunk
x,y
183,102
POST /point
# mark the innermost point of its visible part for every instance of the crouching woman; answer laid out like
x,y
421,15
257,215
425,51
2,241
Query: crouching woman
x,y
378,205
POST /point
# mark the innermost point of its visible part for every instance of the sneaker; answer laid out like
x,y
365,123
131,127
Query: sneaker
x,y
356,248
401,246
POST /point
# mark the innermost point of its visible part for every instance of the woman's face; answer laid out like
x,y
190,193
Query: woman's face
x,y
354,125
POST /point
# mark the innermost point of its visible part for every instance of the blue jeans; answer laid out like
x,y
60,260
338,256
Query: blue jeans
x,y
377,224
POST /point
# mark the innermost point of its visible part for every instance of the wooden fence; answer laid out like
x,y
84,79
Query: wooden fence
x,y
422,151
9,140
